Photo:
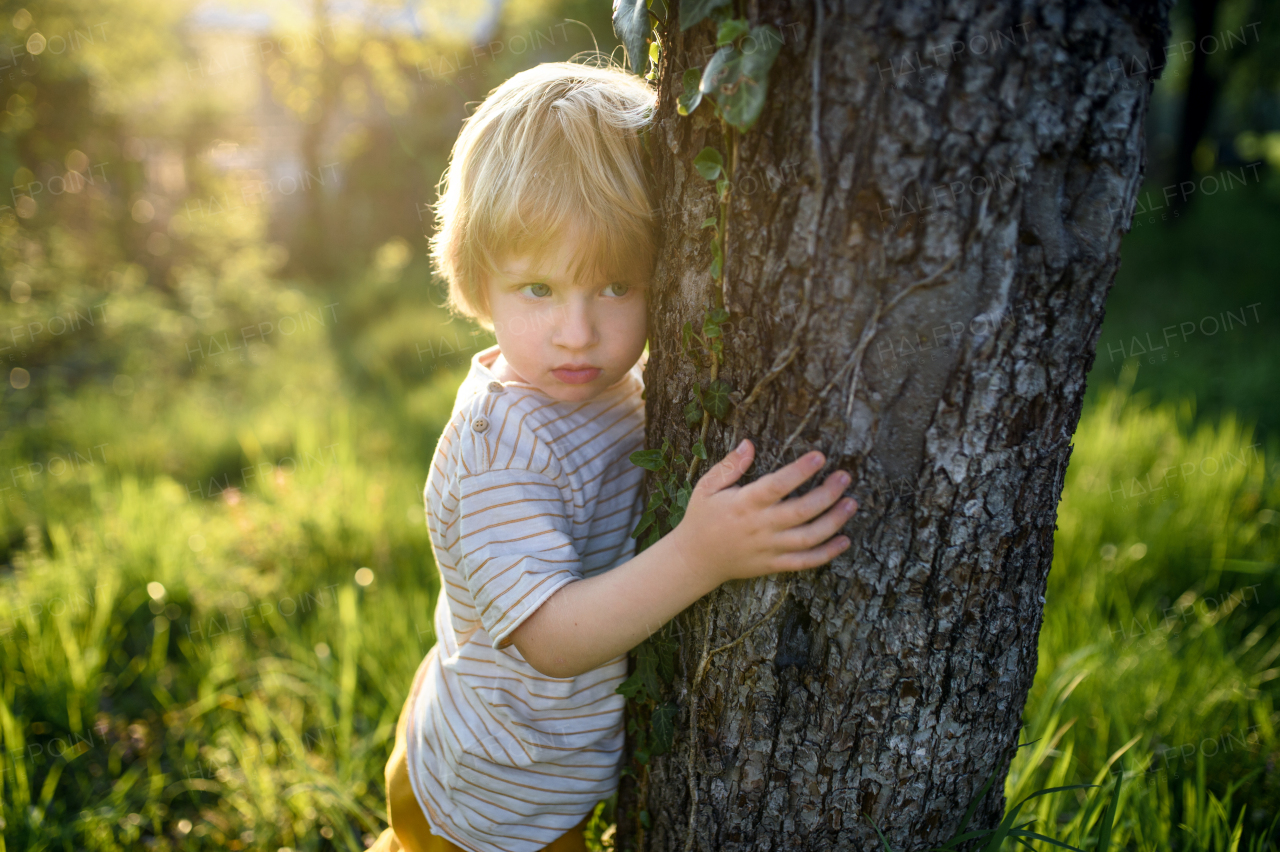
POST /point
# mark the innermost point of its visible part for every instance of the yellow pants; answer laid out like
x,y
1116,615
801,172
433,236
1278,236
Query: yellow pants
x,y
409,830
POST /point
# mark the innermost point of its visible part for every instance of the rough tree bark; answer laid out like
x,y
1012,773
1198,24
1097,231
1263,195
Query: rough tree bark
x,y
925,331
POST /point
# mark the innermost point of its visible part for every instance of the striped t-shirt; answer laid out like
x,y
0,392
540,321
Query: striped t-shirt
x,y
526,494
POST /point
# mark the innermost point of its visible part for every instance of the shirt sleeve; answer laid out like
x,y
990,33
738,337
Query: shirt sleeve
x,y
517,547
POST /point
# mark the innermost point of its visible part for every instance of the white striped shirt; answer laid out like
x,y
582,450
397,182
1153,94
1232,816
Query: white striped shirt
x,y
525,494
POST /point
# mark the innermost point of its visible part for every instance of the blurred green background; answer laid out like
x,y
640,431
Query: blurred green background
x,y
225,371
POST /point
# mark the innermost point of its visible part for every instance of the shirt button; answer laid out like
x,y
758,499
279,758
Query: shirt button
x,y
496,387
480,424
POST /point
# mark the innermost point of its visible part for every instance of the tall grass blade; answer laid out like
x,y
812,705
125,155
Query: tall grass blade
x,y
1104,831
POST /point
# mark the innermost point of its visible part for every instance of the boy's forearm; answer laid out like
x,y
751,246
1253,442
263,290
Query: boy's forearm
x,y
590,622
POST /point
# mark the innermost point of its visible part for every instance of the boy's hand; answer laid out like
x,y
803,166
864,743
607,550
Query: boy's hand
x,y
737,532
728,532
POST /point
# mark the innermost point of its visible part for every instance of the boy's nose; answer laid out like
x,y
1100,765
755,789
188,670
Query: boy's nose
x,y
576,328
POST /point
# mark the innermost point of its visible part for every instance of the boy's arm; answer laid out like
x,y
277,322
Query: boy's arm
x,y
591,621
728,532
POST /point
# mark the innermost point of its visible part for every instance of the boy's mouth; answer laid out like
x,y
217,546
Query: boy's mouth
x,y
575,374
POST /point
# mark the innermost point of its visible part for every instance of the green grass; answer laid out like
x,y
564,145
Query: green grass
x,y
1158,655
213,660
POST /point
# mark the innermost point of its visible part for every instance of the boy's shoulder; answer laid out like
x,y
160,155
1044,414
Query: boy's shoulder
x,y
497,428
501,426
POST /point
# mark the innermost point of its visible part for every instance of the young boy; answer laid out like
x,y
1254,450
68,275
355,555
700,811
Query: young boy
x,y
513,730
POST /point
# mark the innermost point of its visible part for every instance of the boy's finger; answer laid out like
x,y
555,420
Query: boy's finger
x,y
797,510
771,488
820,555
729,469
816,532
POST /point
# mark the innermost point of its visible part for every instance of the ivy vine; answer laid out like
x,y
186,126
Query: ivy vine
x,y
733,85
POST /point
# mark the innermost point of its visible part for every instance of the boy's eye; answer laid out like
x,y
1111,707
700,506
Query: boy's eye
x,y
538,293
620,288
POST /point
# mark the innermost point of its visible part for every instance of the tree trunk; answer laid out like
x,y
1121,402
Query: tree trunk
x,y
931,334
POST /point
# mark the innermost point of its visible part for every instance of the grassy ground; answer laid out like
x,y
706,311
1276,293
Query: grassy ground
x,y
216,582
1158,655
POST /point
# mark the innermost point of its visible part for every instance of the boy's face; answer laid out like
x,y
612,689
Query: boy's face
x,y
547,325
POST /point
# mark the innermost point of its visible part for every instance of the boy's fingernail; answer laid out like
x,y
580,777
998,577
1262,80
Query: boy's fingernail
x,y
815,460
742,448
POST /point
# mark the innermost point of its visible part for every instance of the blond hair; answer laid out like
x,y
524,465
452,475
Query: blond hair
x,y
553,152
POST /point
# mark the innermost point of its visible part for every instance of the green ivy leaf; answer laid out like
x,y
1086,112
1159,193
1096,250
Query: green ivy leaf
x,y
723,70
649,654
631,686
631,25
644,815
662,723
643,684
731,29
646,521
665,646
692,95
653,537
698,450
741,105
693,417
686,341
655,52
709,163
738,79
649,459
708,222
716,398
717,259
718,315
693,11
